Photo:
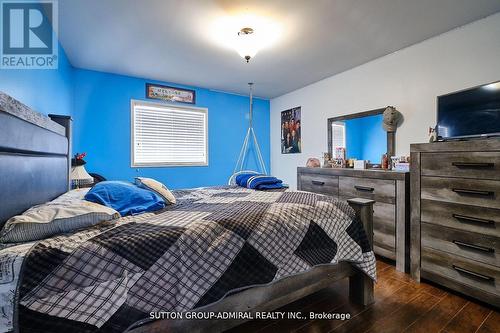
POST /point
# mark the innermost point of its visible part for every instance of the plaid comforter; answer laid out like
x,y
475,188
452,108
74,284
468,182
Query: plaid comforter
x,y
214,241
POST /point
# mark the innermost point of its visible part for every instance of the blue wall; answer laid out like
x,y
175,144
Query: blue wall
x,y
44,90
365,138
100,106
102,129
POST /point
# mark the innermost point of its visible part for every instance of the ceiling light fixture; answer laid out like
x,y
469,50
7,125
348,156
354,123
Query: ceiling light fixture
x,y
246,47
245,33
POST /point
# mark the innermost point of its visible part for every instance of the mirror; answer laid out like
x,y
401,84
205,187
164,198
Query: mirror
x,y
362,136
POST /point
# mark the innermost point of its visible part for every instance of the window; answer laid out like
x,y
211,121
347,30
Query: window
x,y
166,135
338,136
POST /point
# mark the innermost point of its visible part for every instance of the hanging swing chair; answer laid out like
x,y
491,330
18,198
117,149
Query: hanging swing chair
x,y
249,138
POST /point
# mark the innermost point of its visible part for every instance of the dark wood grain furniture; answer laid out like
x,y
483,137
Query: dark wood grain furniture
x,y
390,190
455,218
34,168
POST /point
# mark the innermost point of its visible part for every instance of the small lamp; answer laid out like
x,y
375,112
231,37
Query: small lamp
x,y
79,176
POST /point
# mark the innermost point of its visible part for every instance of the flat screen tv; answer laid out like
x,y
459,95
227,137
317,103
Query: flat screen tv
x,y
469,113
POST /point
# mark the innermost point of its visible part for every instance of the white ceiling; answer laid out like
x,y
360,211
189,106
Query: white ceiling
x,y
167,39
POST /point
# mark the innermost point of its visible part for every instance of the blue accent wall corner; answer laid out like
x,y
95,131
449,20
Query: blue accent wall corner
x,y
44,90
102,129
99,104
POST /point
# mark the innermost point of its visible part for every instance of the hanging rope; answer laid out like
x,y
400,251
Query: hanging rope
x,y
249,137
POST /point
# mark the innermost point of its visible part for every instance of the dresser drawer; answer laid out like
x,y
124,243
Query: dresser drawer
x,y
317,183
380,190
466,244
384,228
474,192
485,221
473,274
479,165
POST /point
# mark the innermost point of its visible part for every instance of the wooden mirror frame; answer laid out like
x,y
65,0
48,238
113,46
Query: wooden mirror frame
x,y
391,136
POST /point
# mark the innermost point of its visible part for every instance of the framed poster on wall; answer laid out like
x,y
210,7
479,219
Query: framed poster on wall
x,y
290,131
171,94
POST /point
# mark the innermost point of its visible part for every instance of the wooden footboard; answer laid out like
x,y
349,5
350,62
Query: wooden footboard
x,y
275,295
360,285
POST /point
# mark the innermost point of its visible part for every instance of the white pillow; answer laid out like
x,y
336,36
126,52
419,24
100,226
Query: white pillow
x,y
55,217
156,186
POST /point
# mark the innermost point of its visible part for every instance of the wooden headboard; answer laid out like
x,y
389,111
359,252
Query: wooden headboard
x,y
35,155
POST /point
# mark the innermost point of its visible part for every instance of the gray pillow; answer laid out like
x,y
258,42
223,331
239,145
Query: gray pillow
x,y
63,215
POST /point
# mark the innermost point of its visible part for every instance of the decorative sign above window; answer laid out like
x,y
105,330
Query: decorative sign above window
x,y
170,94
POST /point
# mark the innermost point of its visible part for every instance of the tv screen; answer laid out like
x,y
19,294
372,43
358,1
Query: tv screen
x,y
469,113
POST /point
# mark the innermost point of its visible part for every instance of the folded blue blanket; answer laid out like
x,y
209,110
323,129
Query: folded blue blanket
x,y
259,181
124,197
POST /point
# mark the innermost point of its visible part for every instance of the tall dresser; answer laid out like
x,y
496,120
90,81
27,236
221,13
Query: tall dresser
x,y
390,190
455,218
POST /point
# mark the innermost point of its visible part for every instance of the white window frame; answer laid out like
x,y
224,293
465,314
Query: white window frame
x,y
133,164
340,124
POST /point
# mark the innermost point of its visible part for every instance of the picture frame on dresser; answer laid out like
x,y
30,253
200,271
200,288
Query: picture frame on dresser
x,y
455,216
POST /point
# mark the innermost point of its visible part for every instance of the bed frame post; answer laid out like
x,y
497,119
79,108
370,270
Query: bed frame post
x,y
66,122
360,285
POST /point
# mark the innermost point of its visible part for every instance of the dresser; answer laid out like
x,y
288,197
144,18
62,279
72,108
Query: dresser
x,y
455,218
390,190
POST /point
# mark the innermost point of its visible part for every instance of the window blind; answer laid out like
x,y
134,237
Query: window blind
x,y
338,133
168,135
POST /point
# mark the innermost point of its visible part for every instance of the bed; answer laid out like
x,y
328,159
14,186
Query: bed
x,y
218,249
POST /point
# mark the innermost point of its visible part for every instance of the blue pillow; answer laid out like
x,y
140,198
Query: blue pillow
x,y
125,197
259,181
242,179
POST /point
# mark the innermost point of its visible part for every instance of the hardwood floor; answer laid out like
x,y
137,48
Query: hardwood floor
x,y
401,305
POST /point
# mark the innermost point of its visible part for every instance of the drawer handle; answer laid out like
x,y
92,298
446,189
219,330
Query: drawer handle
x,y
473,192
472,219
472,165
318,182
466,271
472,246
364,188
